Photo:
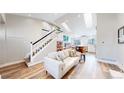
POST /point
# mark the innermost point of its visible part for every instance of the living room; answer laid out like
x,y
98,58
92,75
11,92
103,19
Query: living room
x,y
53,46
60,45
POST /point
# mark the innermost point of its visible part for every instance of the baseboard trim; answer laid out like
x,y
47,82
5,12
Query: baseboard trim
x,y
33,63
106,61
121,67
11,63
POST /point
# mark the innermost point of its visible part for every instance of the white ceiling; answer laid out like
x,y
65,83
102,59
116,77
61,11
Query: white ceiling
x,y
76,24
51,17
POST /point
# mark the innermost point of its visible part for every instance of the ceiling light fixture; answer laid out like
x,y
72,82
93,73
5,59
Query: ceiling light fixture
x,y
88,20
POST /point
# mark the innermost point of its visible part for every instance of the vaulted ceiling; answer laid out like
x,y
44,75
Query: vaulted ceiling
x,y
51,17
73,23
76,24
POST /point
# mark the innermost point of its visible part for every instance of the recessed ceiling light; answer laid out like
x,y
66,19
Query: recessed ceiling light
x,y
88,20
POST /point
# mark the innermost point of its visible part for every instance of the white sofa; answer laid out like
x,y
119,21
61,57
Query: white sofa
x,y
57,67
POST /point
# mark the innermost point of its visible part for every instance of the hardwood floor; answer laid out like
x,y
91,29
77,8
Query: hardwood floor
x,y
91,69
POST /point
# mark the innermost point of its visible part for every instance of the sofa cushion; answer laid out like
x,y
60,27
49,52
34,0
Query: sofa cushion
x,y
71,59
62,55
58,58
70,62
52,55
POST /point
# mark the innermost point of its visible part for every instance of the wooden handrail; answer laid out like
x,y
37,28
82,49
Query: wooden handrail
x,y
45,30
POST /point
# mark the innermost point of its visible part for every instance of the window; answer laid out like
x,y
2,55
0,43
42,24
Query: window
x,y
77,42
92,41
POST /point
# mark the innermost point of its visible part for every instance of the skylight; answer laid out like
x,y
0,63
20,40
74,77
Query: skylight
x,y
88,20
66,26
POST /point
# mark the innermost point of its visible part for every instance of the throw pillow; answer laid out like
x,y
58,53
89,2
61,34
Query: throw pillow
x,y
72,53
61,55
55,56
58,58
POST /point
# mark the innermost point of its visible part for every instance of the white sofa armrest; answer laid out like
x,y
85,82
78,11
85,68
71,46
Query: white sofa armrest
x,y
54,67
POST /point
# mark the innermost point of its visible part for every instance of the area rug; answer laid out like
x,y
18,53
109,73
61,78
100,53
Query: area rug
x,y
116,74
115,67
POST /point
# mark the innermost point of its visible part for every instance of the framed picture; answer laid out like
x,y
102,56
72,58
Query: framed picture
x,y
121,35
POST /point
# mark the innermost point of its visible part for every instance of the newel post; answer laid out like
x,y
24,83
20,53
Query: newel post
x,y
31,52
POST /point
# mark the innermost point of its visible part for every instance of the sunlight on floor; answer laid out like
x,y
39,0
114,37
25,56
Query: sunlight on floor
x,y
91,69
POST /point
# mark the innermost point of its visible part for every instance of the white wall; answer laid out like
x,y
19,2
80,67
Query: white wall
x,y
2,44
51,47
24,27
92,48
107,29
84,41
120,47
20,31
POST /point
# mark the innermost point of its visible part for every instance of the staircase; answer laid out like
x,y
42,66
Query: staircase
x,y
41,48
